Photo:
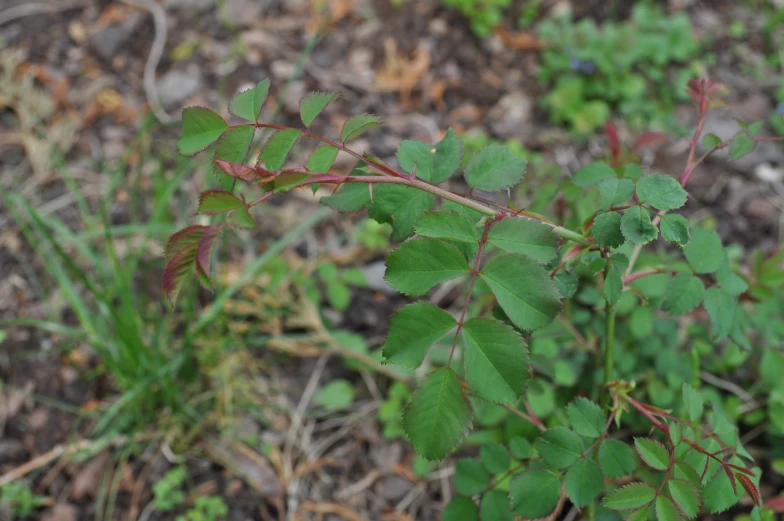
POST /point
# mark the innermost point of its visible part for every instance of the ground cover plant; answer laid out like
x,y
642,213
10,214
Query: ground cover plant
x,y
626,433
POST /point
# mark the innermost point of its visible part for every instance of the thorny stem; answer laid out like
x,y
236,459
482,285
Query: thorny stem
x,y
517,412
609,336
474,275
390,175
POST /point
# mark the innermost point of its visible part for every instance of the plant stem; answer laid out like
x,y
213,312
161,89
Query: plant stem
x,y
609,338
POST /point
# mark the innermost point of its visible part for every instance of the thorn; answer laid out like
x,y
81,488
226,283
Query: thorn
x,y
370,188
413,173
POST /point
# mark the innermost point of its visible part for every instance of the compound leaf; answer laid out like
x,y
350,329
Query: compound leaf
x,y
447,225
560,447
438,416
606,230
321,160
496,361
471,478
201,127
524,290
704,251
527,236
666,510
741,145
684,292
583,482
248,103
312,104
686,496
495,506
213,202
653,453
358,125
661,191
275,151
616,459
592,174
637,227
401,206
719,494
675,229
419,264
614,191
494,167
494,457
586,417
233,147
721,307
535,493
412,330
630,497
460,509
433,163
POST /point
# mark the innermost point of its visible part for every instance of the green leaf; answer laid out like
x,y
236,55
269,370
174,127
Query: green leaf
x,y
693,401
721,307
201,127
460,509
606,230
686,496
637,227
496,361
704,251
653,453
242,217
470,478
630,497
718,494
741,145
524,290
401,206
685,471
447,225
584,482
358,125
336,395
675,229
493,168
419,264
275,151
412,330
288,180
711,141
352,197
560,447
521,448
535,493
434,164
592,174
661,191
494,457
586,418
684,292
248,103
567,283
666,510
312,104
638,515
438,416
616,459
338,295
495,507
527,236
321,160
213,202
233,147
614,191
613,286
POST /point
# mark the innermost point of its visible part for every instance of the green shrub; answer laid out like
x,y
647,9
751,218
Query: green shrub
x,y
564,360
639,68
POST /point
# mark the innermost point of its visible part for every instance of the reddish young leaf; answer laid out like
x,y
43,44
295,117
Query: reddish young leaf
x,y
742,469
186,238
203,254
242,172
732,480
751,489
649,139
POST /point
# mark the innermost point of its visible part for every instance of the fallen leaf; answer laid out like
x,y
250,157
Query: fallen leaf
x,y
400,73
520,40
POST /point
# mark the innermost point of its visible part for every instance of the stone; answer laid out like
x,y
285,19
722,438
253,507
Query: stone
x,y
374,274
176,86
112,38
60,512
393,487
241,12
511,116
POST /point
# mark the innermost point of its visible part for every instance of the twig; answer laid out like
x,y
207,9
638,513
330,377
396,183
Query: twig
x,y
727,386
299,412
156,52
31,8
